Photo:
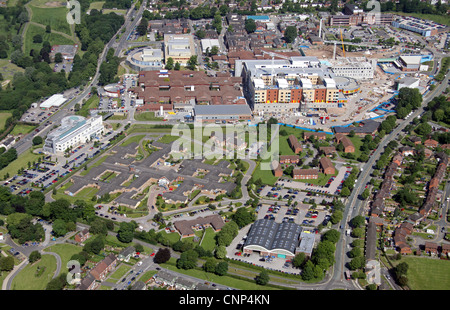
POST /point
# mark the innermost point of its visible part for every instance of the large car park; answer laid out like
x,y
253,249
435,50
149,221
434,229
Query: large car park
x,y
302,214
51,169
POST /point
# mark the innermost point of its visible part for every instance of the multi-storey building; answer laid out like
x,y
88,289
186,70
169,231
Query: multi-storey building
x,y
74,130
287,85
179,47
424,27
358,68
354,16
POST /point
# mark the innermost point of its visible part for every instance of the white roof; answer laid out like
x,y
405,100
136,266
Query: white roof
x,y
306,83
53,101
282,83
411,60
209,43
259,83
330,83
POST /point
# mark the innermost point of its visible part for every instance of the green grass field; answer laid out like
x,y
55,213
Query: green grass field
x,y
146,116
55,17
21,162
97,5
22,129
30,279
91,103
65,251
135,139
266,176
208,242
8,69
52,38
425,273
224,280
85,194
3,117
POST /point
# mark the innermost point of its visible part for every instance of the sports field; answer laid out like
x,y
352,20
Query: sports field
x,y
425,273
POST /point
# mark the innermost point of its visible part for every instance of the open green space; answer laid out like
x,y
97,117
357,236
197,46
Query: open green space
x,y
119,273
52,38
35,276
266,176
3,117
97,5
8,69
21,162
209,241
135,139
96,164
22,129
91,103
85,194
224,280
146,116
440,19
65,251
425,273
168,139
147,128
107,176
53,16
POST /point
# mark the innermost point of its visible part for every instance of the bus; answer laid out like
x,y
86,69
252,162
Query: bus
x,y
347,275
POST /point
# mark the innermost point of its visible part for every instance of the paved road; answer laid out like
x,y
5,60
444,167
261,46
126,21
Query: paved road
x,y
355,205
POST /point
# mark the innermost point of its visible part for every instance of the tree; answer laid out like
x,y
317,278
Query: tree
x,y
263,278
126,232
242,217
290,33
357,263
98,227
58,58
6,263
423,129
308,271
192,62
220,252
299,260
222,268
37,38
162,256
48,29
332,235
187,260
141,29
336,217
34,256
250,25
210,265
59,228
177,66
37,140
357,221
169,64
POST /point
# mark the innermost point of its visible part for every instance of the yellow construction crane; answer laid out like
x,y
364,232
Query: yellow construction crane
x,y
342,40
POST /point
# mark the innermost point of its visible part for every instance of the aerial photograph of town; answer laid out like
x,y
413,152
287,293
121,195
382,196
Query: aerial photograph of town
x,y
233,147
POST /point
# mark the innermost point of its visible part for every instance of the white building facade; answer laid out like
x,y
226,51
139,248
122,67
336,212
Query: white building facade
x,y
74,130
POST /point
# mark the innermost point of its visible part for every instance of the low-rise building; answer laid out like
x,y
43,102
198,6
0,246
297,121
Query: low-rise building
x,y
295,144
305,174
326,166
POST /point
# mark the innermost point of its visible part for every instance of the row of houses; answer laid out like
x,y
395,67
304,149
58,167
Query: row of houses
x,y
173,282
377,207
406,228
99,273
